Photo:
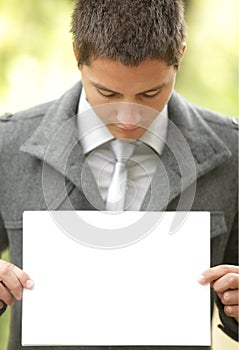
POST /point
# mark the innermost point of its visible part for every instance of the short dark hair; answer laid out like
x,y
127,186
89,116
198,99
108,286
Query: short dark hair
x,y
130,31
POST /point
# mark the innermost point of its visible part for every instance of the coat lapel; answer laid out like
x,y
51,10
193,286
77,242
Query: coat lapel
x,y
192,149
55,142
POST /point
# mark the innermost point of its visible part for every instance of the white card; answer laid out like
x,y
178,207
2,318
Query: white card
x,y
143,293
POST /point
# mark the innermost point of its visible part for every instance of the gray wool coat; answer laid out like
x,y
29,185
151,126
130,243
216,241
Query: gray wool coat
x,y
41,161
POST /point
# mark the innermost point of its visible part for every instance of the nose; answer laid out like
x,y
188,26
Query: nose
x,y
129,115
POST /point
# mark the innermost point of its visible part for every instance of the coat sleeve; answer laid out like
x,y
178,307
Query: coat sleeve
x,y
3,241
3,236
3,232
3,245
229,324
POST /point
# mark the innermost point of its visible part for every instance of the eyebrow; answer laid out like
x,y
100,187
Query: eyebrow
x,y
101,87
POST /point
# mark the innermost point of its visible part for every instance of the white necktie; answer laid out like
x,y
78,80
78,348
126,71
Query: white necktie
x,y
117,190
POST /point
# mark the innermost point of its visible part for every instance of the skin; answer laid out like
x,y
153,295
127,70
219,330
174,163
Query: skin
x,y
12,282
224,279
135,86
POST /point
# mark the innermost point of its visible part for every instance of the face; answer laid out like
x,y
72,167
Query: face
x,y
130,90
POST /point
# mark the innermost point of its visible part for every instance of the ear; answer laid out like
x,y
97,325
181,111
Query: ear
x,y
184,46
75,53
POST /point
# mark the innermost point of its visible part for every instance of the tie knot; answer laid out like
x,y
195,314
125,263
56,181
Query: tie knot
x,y
122,150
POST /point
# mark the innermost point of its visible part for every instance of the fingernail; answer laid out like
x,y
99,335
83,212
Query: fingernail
x,y
201,279
29,283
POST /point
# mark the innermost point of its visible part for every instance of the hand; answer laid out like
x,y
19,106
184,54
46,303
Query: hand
x,y
12,282
224,279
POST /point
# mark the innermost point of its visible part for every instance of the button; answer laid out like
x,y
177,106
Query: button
x,y
6,116
235,122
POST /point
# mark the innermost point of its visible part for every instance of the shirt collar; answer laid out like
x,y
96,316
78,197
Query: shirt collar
x,y
93,132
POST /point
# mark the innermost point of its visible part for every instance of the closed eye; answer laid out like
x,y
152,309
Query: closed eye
x,y
151,94
106,93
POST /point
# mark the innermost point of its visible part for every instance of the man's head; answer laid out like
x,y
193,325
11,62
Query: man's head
x,y
128,51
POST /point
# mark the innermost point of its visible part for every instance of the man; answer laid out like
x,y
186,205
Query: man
x,y
128,53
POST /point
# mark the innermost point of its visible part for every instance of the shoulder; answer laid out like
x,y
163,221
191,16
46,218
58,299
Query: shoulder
x,y
15,128
25,115
190,115
33,115
225,127
217,120
211,117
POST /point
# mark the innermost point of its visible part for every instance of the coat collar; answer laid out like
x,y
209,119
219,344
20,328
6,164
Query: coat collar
x,y
192,150
55,142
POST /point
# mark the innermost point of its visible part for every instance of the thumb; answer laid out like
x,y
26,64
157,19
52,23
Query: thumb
x,y
24,278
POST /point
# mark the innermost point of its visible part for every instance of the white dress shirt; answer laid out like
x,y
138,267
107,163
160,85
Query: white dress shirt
x,y
95,138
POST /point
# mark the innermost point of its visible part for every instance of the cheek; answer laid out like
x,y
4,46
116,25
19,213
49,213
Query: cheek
x,y
89,91
159,103
92,95
94,100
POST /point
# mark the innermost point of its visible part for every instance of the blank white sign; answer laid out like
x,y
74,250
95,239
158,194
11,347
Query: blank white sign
x,y
142,294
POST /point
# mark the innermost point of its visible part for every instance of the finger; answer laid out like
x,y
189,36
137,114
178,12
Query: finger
x,y
229,281
1,304
232,311
216,272
14,279
24,278
10,280
5,295
7,268
230,297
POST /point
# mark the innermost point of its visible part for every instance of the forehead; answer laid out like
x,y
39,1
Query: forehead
x,y
117,76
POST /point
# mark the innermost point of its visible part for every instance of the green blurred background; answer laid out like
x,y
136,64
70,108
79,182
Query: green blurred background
x,y
37,63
